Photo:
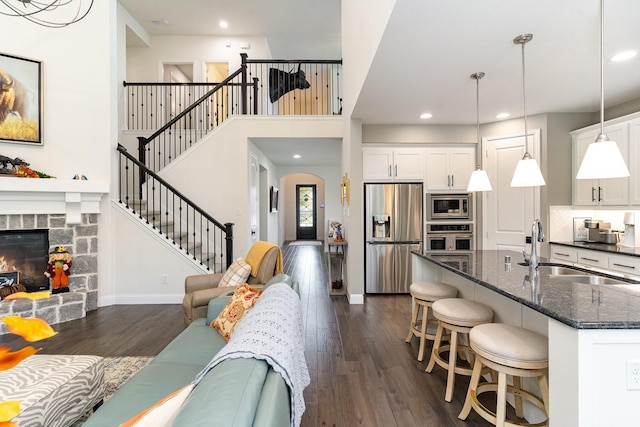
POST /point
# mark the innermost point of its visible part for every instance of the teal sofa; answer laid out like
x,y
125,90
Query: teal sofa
x,y
237,392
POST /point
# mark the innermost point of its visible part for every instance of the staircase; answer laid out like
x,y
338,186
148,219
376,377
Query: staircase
x,y
156,202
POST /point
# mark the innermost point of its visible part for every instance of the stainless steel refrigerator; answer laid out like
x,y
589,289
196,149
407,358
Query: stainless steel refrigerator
x,y
393,228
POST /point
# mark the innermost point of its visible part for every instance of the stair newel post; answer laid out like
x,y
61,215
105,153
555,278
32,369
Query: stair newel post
x,y
142,157
229,238
243,86
255,95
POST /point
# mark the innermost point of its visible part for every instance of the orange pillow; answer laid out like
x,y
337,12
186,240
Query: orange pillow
x,y
163,412
243,300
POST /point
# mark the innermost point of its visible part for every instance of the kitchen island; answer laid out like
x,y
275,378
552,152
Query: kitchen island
x,y
593,329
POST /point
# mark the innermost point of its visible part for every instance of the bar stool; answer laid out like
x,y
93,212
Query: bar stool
x,y
458,316
424,294
507,350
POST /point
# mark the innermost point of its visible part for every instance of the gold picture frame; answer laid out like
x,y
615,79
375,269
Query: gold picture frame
x,y
345,190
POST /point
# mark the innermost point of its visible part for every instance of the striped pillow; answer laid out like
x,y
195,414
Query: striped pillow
x,y
237,274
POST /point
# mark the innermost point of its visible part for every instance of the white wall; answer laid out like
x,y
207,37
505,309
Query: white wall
x,y
220,164
140,260
144,64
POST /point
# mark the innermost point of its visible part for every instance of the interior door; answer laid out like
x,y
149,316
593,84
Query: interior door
x,y
254,199
306,214
509,211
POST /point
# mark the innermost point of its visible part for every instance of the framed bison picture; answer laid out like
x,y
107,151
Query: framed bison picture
x,y
20,100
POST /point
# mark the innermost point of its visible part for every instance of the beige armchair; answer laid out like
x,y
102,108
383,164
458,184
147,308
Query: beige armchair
x,y
201,288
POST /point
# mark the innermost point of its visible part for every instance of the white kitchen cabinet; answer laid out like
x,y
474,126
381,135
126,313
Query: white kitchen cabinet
x,y
563,254
625,264
593,258
634,162
449,168
603,192
392,164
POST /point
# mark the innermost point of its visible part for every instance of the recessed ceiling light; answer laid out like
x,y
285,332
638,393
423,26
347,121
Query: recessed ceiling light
x,y
223,24
502,116
297,156
160,22
623,56
426,116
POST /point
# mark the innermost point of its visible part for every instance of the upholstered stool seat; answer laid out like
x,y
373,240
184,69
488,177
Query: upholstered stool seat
x,y
424,294
457,316
507,350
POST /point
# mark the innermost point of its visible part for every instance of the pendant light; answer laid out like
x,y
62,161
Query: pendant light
x,y
479,180
603,158
527,173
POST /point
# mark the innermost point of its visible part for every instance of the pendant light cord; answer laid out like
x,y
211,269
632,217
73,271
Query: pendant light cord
x,y
602,136
477,77
524,106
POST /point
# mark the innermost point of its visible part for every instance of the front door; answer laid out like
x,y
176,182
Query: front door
x,y
306,218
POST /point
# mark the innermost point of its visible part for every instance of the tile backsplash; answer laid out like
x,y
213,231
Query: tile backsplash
x,y
561,220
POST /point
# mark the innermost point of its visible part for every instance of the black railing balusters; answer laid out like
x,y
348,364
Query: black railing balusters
x,y
165,208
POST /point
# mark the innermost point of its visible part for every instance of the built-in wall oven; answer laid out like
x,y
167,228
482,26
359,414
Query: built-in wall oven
x,y
445,237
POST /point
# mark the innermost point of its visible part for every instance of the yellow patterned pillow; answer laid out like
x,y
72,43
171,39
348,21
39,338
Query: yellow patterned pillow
x,y
243,299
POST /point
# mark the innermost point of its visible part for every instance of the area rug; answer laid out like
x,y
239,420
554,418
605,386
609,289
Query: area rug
x,y
305,243
117,371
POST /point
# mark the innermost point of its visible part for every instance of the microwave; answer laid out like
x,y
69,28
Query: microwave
x,y
449,206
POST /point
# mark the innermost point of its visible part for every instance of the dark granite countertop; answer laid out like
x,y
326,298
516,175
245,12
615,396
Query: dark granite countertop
x,y
579,305
617,249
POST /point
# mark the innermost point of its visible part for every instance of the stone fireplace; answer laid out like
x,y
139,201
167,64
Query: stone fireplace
x,y
69,210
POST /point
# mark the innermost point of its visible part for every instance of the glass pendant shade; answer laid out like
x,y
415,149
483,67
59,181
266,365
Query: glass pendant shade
x,y
527,173
602,160
479,181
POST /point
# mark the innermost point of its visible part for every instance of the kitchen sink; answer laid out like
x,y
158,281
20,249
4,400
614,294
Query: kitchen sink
x,y
558,270
595,280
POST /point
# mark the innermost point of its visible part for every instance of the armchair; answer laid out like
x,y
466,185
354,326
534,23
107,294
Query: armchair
x,y
200,289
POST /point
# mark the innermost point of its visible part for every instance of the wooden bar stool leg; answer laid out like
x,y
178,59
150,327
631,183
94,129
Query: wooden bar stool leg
x,y
434,351
451,370
517,397
501,408
544,390
414,319
423,336
471,392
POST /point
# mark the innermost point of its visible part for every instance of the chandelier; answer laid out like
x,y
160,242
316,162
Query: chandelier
x,y
52,14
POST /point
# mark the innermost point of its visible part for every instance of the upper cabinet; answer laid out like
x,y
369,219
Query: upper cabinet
x,y
392,164
449,168
612,191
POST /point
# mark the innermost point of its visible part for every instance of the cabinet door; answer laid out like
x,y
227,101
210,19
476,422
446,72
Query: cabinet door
x,y
593,258
438,169
634,162
462,163
615,191
563,254
408,163
585,191
377,164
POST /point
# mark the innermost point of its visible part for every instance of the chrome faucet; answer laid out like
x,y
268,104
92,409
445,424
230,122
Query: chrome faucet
x,y
537,234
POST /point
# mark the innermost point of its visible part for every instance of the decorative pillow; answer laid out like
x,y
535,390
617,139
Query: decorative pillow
x,y
243,300
237,274
163,412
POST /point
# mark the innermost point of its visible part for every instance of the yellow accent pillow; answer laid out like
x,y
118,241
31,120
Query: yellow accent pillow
x,y
243,300
163,412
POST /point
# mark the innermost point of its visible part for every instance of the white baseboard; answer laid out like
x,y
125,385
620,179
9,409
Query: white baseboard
x,y
355,298
148,299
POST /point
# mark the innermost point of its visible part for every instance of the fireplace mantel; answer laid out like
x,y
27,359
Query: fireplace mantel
x,y
51,196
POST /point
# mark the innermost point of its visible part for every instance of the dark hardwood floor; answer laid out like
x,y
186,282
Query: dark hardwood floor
x,y
362,371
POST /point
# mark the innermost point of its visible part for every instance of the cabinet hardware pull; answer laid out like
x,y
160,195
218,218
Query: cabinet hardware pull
x,y
561,254
593,194
396,167
622,265
452,181
589,259
600,194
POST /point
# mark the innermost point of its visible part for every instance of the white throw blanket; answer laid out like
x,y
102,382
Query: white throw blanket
x,y
272,331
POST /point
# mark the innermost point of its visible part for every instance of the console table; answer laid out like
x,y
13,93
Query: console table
x,y
337,255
